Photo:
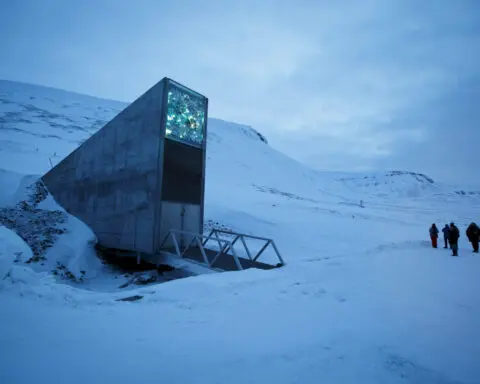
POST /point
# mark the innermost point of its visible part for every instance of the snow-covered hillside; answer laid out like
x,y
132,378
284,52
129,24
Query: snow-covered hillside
x,y
363,299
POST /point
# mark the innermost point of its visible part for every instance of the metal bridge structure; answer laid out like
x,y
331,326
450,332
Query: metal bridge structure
x,y
217,250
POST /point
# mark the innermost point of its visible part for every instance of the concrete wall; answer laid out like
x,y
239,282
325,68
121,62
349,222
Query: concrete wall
x,y
184,217
113,181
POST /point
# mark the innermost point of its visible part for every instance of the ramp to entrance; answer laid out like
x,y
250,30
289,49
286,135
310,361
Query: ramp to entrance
x,y
217,250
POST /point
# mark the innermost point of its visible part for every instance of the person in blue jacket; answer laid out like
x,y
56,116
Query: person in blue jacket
x,y
446,231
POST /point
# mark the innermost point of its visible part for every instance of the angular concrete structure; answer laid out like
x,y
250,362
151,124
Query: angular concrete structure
x,y
142,174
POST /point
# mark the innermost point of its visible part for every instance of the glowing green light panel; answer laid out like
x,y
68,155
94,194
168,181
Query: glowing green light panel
x,y
186,111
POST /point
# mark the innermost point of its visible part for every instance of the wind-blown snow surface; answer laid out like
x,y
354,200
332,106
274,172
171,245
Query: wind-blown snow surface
x,y
363,299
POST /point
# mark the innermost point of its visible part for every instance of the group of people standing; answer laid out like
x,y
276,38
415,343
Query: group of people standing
x,y
451,234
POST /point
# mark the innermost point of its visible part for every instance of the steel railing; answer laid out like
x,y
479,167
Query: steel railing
x,y
242,236
224,245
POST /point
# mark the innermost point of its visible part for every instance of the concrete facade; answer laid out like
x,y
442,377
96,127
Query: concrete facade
x,y
114,181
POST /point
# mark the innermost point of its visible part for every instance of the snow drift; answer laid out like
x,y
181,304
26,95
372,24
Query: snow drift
x,y
12,249
58,242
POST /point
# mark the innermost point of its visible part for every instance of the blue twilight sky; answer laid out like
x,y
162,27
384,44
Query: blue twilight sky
x,y
337,84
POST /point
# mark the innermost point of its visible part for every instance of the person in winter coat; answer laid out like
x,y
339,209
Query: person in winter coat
x,y
453,236
434,235
473,234
445,231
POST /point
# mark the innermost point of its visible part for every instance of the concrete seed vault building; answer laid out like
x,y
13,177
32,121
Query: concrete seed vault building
x,y
142,174
140,181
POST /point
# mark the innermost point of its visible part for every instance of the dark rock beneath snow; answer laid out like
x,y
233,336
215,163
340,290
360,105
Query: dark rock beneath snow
x,y
39,228
37,192
62,272
143,279
131,298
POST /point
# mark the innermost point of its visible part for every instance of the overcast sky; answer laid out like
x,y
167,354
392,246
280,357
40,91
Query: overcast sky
x,y
339,85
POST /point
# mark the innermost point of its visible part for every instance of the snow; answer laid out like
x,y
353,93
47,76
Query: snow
x,y
8,181
363,298
326,323
12,249
75,249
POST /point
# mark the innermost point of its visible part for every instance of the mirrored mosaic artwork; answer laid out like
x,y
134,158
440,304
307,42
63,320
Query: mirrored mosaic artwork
x,y
186,112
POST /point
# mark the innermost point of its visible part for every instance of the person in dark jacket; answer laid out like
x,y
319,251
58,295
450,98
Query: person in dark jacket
x,y
445,231
453,236
473,234
434,235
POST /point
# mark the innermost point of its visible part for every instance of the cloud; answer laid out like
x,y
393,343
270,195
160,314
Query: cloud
x,y
393,95
451,146
339,85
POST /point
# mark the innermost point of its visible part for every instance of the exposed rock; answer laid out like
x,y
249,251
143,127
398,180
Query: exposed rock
x,y
39,228
131,298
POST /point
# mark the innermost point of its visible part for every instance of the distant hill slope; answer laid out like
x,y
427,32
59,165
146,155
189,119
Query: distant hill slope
x,y
49,123
40,125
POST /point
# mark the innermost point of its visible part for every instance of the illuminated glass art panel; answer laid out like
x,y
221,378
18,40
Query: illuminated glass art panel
x,y
186,111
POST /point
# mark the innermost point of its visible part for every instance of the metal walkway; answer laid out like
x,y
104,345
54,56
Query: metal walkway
x,y
216,250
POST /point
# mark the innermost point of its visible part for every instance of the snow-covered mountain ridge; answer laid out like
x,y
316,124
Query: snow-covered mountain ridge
x,y
53,122
48,123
